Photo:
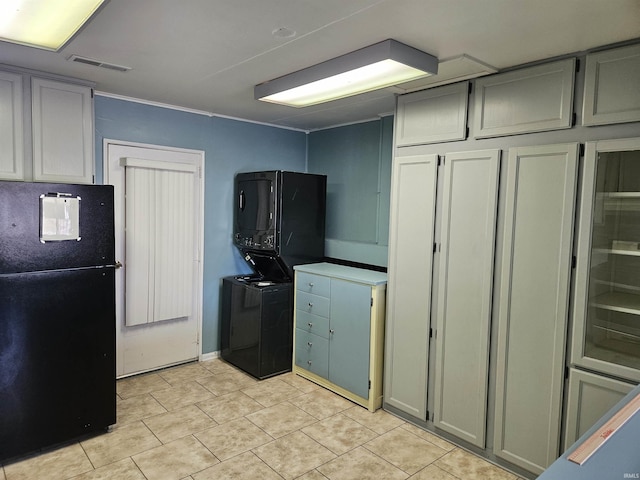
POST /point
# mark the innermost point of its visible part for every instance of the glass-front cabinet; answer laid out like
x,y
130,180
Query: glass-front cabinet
x,y
606,335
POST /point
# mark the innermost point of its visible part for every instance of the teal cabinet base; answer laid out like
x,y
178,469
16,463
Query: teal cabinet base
x,y
339,330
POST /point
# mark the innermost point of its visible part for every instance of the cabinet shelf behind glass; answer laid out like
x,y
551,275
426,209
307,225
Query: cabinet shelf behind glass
x,y
613,316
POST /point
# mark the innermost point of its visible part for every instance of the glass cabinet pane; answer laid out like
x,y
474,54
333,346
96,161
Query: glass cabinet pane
x,y
613,313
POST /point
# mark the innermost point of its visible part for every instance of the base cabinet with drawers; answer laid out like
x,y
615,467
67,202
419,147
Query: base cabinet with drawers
x,y
339,330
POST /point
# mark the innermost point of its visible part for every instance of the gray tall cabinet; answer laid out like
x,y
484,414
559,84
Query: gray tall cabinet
x,y
490,204
534,303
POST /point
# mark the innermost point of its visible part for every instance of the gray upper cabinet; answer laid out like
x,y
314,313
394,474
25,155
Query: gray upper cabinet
x,y
465,287
46,129
611,93
11,127
62,117
534,303
432,116
532,99
413,198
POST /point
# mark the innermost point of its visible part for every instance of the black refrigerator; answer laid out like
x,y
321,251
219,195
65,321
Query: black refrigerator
x,y
57,314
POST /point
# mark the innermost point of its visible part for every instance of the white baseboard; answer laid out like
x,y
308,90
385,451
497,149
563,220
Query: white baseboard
x,y
209,356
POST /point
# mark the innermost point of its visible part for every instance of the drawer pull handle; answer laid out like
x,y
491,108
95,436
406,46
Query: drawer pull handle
x,y
311,284
331,330
309,362
310,344
310,325
310,304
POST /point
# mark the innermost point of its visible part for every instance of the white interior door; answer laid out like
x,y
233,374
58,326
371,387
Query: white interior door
x,y
159,233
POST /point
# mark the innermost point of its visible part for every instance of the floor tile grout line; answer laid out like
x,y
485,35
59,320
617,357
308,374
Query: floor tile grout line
x,y
364,445
138,467
209,450
265,463
409,424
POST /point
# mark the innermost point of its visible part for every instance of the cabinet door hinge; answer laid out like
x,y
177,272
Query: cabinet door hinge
x,y
372,301
436,247
369,384
432,333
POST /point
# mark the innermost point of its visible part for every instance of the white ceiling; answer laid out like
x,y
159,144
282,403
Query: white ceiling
x,y
208,54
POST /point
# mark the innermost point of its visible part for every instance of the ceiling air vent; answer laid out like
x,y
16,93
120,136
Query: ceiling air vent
x,y
98,63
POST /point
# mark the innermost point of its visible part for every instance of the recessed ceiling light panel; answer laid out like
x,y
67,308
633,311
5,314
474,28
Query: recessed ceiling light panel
x,y
47,24
377,66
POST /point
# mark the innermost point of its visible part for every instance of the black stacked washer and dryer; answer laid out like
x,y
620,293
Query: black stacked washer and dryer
x,y
279,222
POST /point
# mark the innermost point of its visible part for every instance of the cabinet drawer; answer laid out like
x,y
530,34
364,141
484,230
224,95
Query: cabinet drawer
x,y
312,323
316,284
312,353
307,302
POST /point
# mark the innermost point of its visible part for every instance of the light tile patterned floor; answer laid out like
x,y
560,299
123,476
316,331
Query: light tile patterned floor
x,y
205,421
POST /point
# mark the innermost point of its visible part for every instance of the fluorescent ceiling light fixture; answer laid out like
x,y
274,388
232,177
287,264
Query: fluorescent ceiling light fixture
x,y
47,24
377,66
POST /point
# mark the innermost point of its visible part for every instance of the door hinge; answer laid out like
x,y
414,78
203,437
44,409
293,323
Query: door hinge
x,y
436,247
369,384
372,301
432,333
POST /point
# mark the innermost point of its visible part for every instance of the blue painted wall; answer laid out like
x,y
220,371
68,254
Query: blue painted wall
x,y
357,161
230,146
